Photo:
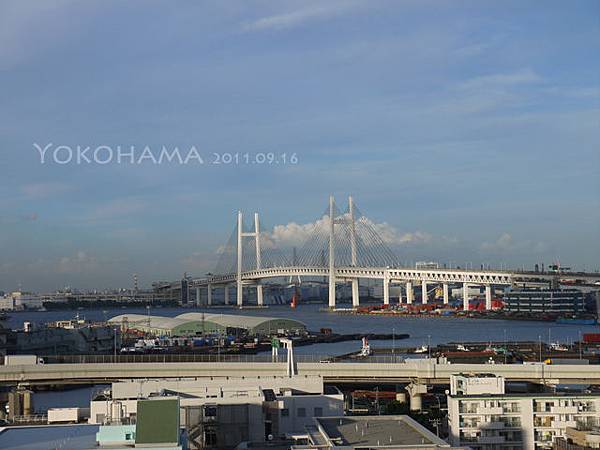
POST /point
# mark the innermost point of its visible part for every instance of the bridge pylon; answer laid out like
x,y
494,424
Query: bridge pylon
x,y
240,256
331,252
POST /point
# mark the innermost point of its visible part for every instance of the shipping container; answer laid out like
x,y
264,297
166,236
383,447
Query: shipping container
x,y
591,338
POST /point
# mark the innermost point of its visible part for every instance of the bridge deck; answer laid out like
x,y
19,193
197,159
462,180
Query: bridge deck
x,y
334,372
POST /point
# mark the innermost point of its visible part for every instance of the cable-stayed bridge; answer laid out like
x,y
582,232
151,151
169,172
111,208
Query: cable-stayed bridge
x,y
343,247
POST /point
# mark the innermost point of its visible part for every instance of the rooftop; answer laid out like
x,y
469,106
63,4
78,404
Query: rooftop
x,y
221,320
239,321
590,395
149,321
370,431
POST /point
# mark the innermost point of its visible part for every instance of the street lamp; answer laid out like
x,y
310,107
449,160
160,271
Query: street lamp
x,y
394,344
505,350
429,345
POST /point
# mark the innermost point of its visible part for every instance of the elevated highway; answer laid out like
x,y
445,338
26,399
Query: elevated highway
x,y
426,371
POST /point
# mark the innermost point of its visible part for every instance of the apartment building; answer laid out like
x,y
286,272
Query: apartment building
x,y
499,421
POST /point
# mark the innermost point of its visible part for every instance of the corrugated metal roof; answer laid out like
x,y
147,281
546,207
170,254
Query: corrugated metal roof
x,y
239,321
223,320
158,322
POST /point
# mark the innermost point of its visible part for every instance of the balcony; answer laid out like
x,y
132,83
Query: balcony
x,y
491,440
565,424
564,409
492,411
494,425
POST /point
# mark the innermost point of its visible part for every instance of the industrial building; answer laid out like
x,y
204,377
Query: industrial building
x,y
483,417
550,301
198,324
223,413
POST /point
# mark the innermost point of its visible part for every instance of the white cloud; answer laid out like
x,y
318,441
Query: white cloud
x,y
392,236
295,234
300,17
523,76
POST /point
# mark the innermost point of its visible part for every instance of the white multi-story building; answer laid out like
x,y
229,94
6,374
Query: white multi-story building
x,y
500,421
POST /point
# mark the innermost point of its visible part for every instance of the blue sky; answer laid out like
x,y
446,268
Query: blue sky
x,y
468,131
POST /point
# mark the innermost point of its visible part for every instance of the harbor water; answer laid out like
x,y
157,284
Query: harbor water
x,y
422,330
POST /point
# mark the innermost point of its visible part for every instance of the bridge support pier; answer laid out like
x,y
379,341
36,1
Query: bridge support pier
x,y
240,295
259,294
355,293
209,295
226,294
424,292
488,297
409,292
465,297
446,295
386,291
415,392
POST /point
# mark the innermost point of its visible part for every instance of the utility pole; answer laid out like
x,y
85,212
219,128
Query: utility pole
x,y
429,345
394,344
505,349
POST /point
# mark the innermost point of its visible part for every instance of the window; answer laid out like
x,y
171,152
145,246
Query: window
x,y
210,411
285,412
318,412
301,412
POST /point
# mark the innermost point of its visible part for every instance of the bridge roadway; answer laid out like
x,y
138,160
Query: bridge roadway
x,y
427,371
390,274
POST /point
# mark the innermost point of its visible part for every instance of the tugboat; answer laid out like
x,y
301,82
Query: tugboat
x,y
558,347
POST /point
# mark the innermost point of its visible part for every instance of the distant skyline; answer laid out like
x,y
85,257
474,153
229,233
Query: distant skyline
x,y
467,131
